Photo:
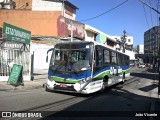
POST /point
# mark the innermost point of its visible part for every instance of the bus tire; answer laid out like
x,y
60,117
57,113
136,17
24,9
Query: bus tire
x,y
47,90
123,78
105,84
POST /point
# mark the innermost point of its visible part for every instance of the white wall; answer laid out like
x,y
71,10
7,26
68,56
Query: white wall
x,y
140,49
41,5
40,53
131,54
69,16
129,39
89,36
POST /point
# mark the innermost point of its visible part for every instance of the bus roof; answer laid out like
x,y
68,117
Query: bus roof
x,y
88,42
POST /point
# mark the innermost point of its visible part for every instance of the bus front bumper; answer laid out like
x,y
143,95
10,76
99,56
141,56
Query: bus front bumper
x,y
74,88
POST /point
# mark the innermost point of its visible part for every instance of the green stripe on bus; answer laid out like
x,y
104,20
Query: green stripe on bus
x,y
102,75
59,79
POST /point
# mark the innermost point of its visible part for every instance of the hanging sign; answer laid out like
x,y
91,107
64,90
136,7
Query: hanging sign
x,y
16,34
101,38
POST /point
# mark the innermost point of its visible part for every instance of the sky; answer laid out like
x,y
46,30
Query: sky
x,y
133,16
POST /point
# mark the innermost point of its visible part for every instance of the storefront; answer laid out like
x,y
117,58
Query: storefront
x,y
14,49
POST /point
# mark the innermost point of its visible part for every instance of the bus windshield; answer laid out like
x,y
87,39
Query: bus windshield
x,y
71,58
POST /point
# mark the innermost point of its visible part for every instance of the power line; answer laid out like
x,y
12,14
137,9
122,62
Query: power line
x,y
105,12
151,12
150,6
145,15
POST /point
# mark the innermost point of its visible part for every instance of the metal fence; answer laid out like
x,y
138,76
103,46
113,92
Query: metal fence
x,y
13,53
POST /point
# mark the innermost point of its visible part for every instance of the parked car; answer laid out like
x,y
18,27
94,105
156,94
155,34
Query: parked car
x,y
132,64
141,65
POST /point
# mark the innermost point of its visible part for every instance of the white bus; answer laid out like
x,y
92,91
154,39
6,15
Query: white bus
x,y
85,67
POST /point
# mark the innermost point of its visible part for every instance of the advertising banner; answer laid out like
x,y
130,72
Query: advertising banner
x,y
15,77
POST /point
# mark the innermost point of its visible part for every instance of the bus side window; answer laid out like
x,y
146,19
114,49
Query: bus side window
x,y
123,60
106,57
119,58
98,58
114,58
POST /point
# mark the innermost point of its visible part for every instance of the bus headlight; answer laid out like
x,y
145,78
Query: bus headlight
x,y
77,87
50,78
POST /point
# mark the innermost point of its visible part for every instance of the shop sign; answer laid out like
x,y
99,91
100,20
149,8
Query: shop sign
x,y
13,33
16,76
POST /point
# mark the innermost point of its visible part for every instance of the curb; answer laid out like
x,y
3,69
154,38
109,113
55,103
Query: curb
x,y
9,88
152,108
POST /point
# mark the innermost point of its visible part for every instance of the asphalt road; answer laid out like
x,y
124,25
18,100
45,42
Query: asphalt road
x,y
127,100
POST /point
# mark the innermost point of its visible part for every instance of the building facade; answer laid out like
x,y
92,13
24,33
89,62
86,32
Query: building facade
x,y
140,49
151,44
48,22
93,34
42,17
128,41
139,53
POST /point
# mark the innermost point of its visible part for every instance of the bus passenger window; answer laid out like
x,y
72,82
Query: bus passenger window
x,y
98,58
114,59
106,57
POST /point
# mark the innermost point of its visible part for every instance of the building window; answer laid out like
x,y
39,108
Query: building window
x,y
129,40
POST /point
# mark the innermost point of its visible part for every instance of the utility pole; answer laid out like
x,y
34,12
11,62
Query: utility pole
x,y
71,31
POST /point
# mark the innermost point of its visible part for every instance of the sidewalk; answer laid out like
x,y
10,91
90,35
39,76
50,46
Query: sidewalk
x,y
40,78
154,76
155,106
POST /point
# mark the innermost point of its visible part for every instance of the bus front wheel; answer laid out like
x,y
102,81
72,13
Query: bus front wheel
x,y
47,90
123,78
105,83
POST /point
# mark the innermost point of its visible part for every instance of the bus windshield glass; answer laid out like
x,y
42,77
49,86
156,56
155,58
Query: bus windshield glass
x,y
71,58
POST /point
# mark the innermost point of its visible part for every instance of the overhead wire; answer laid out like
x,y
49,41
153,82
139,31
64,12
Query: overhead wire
x,y
151,12
104,12
156,10
145,15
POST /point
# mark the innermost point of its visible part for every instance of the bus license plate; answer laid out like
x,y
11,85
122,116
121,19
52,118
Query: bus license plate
x,y
63,85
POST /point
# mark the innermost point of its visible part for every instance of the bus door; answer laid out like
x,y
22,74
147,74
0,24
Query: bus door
x,y
114,66
97,59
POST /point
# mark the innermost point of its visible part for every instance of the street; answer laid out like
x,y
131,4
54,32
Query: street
x,y
131,99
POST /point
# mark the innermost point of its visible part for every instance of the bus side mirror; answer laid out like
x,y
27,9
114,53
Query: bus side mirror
x,y
47,59
47,54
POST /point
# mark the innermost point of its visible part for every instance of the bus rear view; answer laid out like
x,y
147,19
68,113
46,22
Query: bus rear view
x,y
70,67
